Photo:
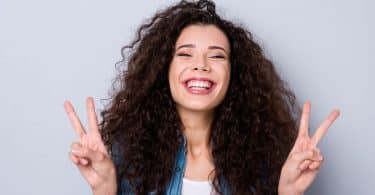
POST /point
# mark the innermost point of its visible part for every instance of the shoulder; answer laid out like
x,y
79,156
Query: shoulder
x,y
124,187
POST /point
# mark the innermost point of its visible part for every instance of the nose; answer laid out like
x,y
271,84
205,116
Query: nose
x,y
202,68
201,65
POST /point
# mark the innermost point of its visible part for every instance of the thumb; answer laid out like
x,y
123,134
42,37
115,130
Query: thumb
x,y
84,152
291,171
297,158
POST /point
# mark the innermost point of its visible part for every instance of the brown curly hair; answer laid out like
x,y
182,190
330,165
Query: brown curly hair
x,y
254,127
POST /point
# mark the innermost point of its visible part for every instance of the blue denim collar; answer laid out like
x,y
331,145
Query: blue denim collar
x,y
175,185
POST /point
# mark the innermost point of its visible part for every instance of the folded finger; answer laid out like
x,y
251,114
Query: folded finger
x,y
77,160
84,161
73,158
297,158
305,164
315,165
316,157
76,145
91,155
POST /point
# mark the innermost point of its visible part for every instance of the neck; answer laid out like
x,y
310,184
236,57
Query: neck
x,y
197,128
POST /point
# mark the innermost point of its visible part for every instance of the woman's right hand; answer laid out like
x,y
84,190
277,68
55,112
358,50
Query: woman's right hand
x,y
89,154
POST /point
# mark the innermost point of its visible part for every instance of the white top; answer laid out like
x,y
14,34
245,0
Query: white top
x,y
190,187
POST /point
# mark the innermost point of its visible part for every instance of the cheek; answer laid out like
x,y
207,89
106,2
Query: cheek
x,y
173,77
176,69
224,73
225,76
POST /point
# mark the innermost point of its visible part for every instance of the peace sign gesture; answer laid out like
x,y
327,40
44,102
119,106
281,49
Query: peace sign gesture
x,y
304,160
89,153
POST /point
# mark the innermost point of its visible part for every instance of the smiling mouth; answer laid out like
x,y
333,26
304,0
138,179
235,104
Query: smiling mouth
x,y
199,86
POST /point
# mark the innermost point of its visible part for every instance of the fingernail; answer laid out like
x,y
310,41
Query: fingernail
x,y
320,157
75,161
75,151
84,161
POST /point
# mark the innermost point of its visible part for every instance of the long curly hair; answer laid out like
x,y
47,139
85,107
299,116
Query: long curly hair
x,y
254,127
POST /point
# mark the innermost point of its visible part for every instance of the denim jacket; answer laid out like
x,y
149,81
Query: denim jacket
x,y
175,185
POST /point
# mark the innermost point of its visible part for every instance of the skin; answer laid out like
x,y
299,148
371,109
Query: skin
x,y
201,51
89,153
304,160
196,111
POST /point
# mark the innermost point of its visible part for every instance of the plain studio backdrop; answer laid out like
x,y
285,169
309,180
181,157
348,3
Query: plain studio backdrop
x,y
56,50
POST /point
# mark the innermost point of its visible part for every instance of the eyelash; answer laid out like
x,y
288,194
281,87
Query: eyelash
x,y
222,57
188,55
183,54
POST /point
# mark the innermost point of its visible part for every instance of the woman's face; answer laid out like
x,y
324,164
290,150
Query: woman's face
x,y
199,73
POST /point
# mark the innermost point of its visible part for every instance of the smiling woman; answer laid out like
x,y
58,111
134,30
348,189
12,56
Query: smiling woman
x,y
199,73
200,110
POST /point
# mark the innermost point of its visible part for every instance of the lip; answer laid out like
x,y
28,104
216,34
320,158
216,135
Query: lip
x,y
199,91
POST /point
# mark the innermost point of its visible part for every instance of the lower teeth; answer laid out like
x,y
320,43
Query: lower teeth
x,y
199,88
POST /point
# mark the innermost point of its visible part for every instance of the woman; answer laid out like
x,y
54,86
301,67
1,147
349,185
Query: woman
x,y
200,110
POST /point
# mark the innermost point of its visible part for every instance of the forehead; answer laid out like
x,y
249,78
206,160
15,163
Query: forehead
x,y
203,35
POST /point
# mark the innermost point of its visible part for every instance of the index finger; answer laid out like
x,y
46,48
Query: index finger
x,y
323,128
76,123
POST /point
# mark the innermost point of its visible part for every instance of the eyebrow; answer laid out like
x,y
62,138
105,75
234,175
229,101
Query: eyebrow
x,y
193,46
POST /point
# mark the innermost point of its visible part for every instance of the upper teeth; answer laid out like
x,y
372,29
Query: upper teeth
x,y
201,84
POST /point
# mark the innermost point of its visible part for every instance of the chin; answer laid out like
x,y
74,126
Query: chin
x,y
197,106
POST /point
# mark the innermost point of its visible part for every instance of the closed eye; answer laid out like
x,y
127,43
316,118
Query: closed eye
x,y
183,54
218,56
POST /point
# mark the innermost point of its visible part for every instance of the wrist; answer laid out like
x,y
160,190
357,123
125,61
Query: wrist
x,y
105,191
288,191
110,189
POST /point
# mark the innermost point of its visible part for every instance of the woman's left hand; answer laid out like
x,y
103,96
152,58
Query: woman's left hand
x,y
304,160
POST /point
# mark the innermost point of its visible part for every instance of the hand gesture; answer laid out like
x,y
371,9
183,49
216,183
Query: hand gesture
x,y
89,153
304,160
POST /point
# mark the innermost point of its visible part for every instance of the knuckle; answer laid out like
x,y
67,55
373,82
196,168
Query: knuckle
x,y
100,157
74,145
85,151
294,157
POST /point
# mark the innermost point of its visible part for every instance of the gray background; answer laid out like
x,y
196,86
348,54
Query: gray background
x,y
56,50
